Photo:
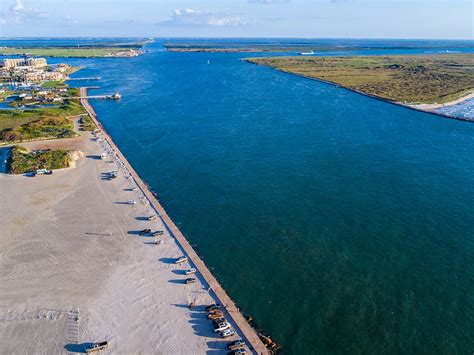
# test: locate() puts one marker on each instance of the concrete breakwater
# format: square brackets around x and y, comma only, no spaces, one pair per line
[243,328]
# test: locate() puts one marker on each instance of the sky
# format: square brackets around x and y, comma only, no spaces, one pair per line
[435,19]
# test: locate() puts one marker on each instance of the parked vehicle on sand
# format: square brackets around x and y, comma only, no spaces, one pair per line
[144,231]
[237,352]
[212,307]
[181,259]
[215,315]
[97,347]
[236,344]
[221,327]
[43,172]
[217,321]
[227,333]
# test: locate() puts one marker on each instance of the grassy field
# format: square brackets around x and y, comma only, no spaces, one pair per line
[22,161]
[66,52]
[51,122]
[406,79]
[54,84]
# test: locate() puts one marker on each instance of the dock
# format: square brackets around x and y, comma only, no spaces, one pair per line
[242,327]
[115,96]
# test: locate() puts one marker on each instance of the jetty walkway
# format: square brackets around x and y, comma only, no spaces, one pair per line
[244,328]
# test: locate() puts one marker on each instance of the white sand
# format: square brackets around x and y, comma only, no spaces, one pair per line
[430,107]
[71,272]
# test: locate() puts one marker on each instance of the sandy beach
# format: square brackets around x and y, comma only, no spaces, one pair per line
[430,107]
[74,270]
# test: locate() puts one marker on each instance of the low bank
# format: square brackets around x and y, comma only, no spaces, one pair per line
[425,108]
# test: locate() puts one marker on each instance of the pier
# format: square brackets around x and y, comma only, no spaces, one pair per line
[115,96]
[242,327]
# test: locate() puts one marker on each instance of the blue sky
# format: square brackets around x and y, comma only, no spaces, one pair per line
[444,19]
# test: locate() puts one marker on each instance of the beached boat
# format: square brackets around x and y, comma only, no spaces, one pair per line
[190,280]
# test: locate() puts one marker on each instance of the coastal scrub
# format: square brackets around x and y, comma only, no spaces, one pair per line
[22,161]
[425,79]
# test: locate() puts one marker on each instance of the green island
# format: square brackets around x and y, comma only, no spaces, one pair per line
[22,161]
[427,79]
[297,46]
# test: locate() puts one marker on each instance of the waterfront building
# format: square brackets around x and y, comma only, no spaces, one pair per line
[22,62]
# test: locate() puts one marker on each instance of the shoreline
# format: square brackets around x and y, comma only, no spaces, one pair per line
[408,106]
[466,97]
[213,285]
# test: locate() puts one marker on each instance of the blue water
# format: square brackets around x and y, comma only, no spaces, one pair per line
[343,224]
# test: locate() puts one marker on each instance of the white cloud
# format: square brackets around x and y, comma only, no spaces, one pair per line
[17,6]
[19,13]
[190,17]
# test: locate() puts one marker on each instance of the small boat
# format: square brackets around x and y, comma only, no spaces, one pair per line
[151,218]
[131,202]
[190,271]
[307,53]
[181,259]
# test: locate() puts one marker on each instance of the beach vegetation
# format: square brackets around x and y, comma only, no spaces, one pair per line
[22,161]
[86,123]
